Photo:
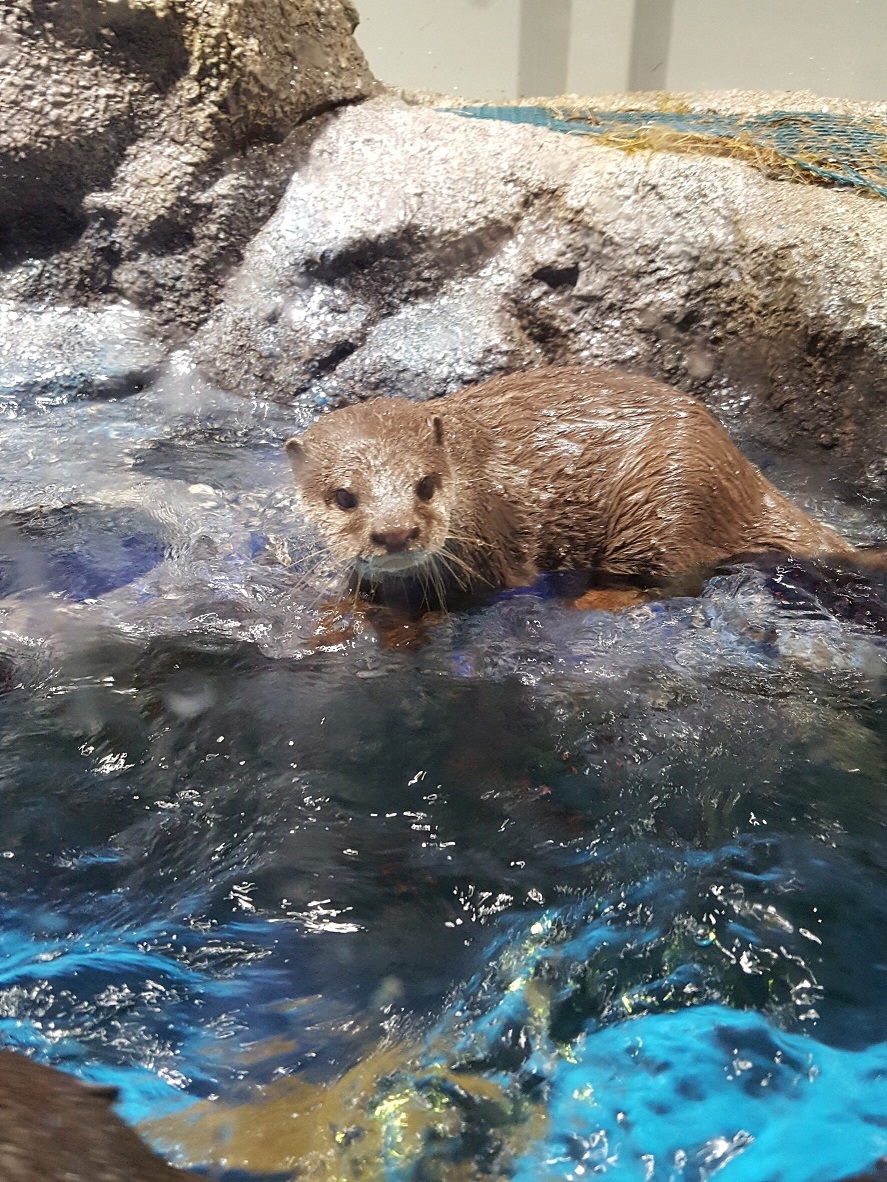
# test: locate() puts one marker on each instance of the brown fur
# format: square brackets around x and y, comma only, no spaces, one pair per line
[55,1129]
[552,469]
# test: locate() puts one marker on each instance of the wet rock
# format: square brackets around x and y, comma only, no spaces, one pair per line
[811,589]
[115,124]
[876,1173]
[55,1129]
[9,677]
[51,356]
[416,251]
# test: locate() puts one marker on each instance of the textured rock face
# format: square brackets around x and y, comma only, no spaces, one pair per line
[115,121]
[416,251]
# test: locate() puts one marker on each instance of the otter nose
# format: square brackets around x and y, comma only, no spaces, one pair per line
[395,540]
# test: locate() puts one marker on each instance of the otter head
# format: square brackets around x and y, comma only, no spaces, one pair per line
[376,480]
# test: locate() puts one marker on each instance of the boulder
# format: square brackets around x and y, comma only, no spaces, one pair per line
[415,251]
[123,129]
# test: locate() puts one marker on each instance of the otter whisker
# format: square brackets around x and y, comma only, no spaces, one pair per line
[436,580]
[310,573]
[338,590]
[310,578]
[426,578]
[317,553]
[439,584]
[312,558]
[468,540]
[454,563]
[443,564]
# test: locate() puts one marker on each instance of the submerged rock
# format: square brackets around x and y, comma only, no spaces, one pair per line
[672,1085]
[79,551]
[416,251]
[877,1173]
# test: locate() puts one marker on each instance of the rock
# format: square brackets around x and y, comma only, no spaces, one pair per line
[116,122]
[55,1129]
[876,1173]
[52,356]
[416,251]
[68,92]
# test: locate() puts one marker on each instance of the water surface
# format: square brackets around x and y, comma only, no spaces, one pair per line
[627,868]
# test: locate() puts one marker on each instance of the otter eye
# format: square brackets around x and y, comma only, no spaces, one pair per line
[426,488]
[344,499]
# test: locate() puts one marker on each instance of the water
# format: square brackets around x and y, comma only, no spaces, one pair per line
[622,874]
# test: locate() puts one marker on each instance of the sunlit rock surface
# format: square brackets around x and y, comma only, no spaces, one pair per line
[416,251]
[115,124]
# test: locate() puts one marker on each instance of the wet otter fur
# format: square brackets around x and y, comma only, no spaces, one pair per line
[554,469]
[55,1129]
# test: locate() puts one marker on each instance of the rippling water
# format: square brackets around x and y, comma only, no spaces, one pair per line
[627,869]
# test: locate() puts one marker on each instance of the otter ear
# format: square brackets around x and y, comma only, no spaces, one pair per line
[437,428]
[296,455]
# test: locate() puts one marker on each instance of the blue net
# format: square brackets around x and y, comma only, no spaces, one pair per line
[806,145]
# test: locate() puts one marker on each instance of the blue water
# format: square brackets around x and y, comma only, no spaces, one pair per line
[707,1090]
[658,1059]
[628,869]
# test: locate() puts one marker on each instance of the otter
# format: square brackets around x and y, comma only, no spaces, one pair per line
[55,1129]
[552,469]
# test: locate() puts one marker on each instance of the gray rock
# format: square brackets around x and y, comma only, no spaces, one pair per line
[51,356]
[415,251]
[432,346]
[123,129]
[69,91]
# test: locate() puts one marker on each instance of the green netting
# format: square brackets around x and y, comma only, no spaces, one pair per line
[812,145]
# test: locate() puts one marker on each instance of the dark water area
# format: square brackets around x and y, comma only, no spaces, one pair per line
[629,868]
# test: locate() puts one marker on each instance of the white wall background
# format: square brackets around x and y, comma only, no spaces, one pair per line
[465,47]
[832,47]
[600,46]
[505,49]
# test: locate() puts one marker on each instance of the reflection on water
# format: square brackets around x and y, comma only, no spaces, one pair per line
[557,892]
